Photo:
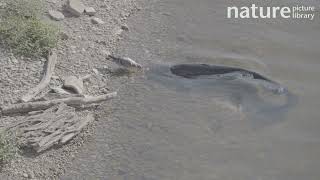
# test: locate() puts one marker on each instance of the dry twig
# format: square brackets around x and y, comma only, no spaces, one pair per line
[41,105]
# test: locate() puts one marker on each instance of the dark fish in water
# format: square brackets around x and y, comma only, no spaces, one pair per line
[267,109]
[193,71]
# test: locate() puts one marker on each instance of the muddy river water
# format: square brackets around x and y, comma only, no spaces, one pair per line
[165,128]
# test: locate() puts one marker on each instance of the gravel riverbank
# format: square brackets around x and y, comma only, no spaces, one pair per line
[82,50]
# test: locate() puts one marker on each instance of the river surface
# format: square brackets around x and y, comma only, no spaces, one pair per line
[164,127]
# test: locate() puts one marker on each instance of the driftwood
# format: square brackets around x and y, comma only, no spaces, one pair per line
[41,105]
[49,70]
[54,126]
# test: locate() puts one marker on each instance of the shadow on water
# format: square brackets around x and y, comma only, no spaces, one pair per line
[257,98]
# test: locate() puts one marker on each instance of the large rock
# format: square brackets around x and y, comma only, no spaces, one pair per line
[74,84]
[56,15]
[75,7]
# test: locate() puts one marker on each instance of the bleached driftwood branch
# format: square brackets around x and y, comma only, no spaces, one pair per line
[49,70]
[41,105]
[56,125]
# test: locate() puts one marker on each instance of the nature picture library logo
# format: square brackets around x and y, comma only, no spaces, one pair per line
[272,12]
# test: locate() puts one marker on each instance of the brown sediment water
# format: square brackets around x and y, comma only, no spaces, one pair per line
[165,127]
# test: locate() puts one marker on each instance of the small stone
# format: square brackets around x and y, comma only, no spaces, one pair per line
[2,5]
[118,31]
[42,60]
[105,90]
[96,20]
[105,53]
[75,7]
[95,71]
[125,27]
[56,15]
[101,41]
[90,11]
[64,36]
[103,6]
[25,175]
[31,174]
[14,60]
[73,83]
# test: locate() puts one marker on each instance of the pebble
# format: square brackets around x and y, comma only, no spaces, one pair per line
[125,27]
[96,20]
[105,53]
[95,71]
[64,36]
[75,7]
[31,174]
[25,175]
[105,90]
[14,60]
[2,5]
[118,31]
[90,11]
[56,15]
